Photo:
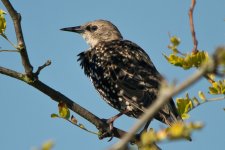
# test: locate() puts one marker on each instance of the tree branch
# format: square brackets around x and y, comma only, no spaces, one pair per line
[58,97]
[8,50]
[11,73]
[32,79]
[164,96]
[47,63]
[16,17]
[190,13]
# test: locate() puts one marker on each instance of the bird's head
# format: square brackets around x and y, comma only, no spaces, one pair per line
[97,31]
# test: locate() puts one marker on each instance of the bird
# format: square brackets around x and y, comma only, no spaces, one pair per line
[122,72]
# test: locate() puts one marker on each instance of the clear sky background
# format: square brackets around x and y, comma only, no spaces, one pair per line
[25,112]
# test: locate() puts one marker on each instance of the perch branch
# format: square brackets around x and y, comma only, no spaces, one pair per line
[57,96]
[29,77]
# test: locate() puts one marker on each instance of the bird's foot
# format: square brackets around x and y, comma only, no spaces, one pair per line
[108,132]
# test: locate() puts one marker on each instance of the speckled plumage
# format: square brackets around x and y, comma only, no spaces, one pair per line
[121,71]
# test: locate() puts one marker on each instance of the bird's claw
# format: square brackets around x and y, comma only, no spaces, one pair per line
[107,133]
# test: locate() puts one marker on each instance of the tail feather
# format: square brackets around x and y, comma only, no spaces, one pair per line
[169,115]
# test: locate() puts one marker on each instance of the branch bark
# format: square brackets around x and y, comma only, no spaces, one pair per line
[57,96]
[21,46]
[190,13]
[31,78]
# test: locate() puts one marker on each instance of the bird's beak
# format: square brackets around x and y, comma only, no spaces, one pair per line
[77,29]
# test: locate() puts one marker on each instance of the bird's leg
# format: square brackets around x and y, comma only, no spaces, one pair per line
[110,121]
[146,127]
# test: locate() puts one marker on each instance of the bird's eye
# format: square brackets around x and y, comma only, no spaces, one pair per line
[91,28]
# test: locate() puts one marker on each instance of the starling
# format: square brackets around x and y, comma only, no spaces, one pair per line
[121,71]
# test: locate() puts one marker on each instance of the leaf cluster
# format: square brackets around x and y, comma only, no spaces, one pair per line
[64,113]
[177,131]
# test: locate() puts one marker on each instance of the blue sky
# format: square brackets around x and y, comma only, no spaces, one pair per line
[25,112]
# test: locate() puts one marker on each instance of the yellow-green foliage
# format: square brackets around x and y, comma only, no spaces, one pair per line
[186,61]
[2,22]
[189,60]
[178,130]
[64,113]
[184,105]
[48,145]
[217,87]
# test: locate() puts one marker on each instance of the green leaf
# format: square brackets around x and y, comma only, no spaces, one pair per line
[213,90]
[217,87]
[183,106]
[54,115]
[175,40]
[2,22]
[189,60]
[185,116]
[64,112]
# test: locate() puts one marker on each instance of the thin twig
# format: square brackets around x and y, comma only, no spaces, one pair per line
[208,100]
[215,99]
[164,97]
[79,126]
[195,42]
[47,63]
[9,51]
[21,46]
[6,38]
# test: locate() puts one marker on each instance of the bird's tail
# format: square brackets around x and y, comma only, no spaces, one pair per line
[169,115]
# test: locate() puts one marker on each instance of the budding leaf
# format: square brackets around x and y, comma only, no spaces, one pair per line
[195,101]
[180,130]
[149,137]
[73,120]
[48,145]
[64,112]
[176,130]
[2,22]
[217,87]
[189,60]
[183,107]
[54,115]
[175,40]
[201,95]
[81,126]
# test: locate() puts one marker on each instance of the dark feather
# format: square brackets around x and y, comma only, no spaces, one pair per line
[126,78]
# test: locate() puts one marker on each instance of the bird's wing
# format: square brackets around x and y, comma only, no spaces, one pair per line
[137,77]
[134,73]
